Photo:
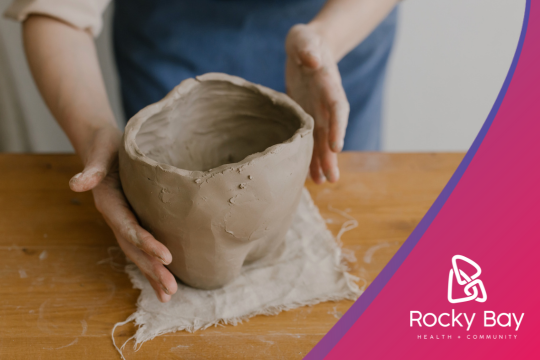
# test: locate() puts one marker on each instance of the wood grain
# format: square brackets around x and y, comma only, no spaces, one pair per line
[62,288]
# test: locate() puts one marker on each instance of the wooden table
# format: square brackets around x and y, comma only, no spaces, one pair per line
[60,296]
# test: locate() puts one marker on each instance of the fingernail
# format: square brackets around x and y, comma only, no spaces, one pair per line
[75,178]
[164,288]
[322,178]
[160,258]
[328,175]
[332,175]
[336,146]
[164,298]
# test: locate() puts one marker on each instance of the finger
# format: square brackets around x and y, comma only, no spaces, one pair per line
[112,204]
[315,168]
[101,157]
[327,158]
[161,295]
[329,165]
[159,276]
[338,115]
[336,106]
[127,226]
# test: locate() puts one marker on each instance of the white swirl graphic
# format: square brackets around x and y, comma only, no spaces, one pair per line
[473,285]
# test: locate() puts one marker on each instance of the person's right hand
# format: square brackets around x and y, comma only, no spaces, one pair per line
[101,175]
[64,63]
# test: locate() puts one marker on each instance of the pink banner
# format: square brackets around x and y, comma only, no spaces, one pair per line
[464,285]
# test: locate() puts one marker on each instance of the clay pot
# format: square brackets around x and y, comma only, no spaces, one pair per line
[215,172]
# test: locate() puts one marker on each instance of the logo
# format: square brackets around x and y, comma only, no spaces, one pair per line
[474,289]
[472,283]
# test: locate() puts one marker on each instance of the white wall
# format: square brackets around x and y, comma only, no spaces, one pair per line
[449,63]
[42,132]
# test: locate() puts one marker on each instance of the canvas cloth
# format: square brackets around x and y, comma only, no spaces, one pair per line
[309,268]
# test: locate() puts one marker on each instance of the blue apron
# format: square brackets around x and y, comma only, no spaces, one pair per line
[159,43]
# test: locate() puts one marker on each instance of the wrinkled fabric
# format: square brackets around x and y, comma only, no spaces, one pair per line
[308,269]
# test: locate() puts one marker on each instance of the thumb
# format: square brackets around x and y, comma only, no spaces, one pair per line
[88,179]
[102,156]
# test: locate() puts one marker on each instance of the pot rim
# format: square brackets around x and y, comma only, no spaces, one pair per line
[280,99]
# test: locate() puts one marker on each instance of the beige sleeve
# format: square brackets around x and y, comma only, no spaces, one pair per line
[82,14]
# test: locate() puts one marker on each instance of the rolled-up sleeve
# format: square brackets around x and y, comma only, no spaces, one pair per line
[82,14]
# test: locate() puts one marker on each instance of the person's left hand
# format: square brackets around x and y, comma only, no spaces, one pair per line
[312,79]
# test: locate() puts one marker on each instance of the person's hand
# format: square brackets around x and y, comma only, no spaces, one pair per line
[312,79]
[101,175]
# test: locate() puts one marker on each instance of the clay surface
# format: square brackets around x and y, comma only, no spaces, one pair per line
[215,171]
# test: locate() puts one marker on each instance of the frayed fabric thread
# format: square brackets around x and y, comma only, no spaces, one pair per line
[308,269]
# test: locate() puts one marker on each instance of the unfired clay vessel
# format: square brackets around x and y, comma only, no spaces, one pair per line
[215,172]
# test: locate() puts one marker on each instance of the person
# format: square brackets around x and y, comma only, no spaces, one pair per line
[321,53]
